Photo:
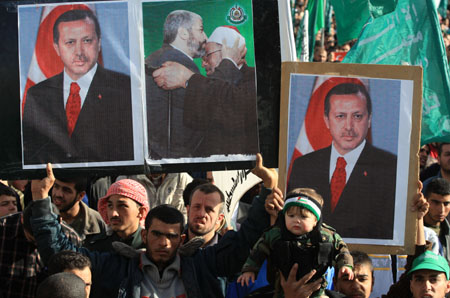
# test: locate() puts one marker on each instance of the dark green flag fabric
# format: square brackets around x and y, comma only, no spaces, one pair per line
[411,35]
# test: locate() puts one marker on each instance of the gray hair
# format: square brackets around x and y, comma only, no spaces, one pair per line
[177,19]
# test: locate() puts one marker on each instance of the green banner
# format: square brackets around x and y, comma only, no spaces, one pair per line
[351,15]
[411,35]
[442,9]
[316,22]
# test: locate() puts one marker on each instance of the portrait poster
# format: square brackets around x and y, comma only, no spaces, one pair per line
[351,132]
[79,86]
[211,117]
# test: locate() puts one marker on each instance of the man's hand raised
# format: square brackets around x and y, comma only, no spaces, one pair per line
[299,288]
[40,188]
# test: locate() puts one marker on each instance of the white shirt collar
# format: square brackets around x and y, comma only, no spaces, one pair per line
[84,82]
[181,51]
[350,158]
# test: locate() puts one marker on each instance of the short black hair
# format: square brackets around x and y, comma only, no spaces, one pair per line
[75,15]
[80,182]
[167,214]
[360,258]
[8,191]
[62,285]
[439,186]
[208,188]
[440,148]
[67,260]
[348,88]
[190,187]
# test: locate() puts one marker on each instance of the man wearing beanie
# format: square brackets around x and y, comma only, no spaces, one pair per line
[227,95]
[429,276]
[123,209]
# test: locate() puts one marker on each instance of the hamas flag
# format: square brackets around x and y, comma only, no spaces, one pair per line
[407,32]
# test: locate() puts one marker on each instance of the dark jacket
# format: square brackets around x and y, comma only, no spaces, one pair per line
[115,273]
[103,131]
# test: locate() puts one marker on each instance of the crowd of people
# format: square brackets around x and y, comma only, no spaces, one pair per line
[326,47]
[135,244]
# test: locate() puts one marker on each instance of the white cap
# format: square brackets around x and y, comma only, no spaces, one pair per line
[229,33]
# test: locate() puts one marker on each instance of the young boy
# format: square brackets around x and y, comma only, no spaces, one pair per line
[299,236]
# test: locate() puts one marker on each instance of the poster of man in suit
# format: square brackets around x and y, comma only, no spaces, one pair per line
[347,138]
[75,85]
[209,113]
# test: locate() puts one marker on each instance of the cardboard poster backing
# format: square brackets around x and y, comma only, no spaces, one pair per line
[369,71]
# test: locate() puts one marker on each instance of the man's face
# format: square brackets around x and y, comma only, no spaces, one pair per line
[439,208]
[320,55]
[212,57]
[361,285]
[423,155]
[204,212]
[162,241]
[78,46]
[444,158]
[348,121]
[197,39]
[123,214]
[85,274]
[65,196]
[429,283]
[8,205]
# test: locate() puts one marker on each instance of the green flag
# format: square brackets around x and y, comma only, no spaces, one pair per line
[442,9]
[351,15]
[316,22]
[411,35]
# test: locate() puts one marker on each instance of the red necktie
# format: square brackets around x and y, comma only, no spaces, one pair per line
[338,182]
[73,107]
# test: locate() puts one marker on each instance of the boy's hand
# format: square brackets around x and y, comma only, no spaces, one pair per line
[40,188]
[246,277]
[346,271]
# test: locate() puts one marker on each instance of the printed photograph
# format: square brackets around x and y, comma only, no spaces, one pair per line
[200,81]
[75,84]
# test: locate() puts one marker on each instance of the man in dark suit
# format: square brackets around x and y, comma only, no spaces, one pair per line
[184,39]
[356,179]
[221,106]
[84,113]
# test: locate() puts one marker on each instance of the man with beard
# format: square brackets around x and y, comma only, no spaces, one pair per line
[184,39]
[67,195]
[227,95]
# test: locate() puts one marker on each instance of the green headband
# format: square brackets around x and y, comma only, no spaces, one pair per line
[304,202]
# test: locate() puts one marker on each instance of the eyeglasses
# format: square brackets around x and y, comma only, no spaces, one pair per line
[209,54]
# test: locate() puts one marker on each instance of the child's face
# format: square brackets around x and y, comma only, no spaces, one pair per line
[299,221]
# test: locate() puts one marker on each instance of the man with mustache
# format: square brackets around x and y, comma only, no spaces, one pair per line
[355,178]
[227,95]
[123,208]
[82,114]
[184,40]
[67,195]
